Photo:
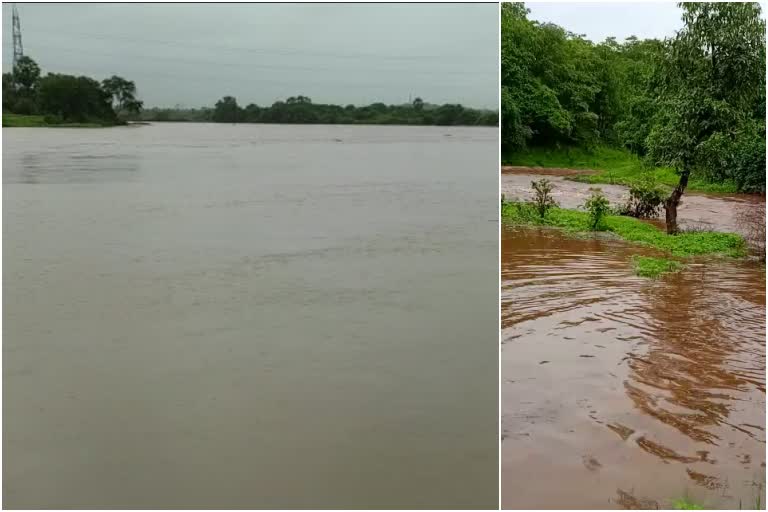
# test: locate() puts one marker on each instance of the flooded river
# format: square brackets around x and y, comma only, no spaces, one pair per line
[218,316]
[624,392]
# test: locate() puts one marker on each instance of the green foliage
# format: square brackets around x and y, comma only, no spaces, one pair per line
[542,196]
[645,198]
[685,504]
[63,100]
[615,166]
[694,104]
[123,94]
[632,230]
[184,115]
[37,121]
[75,99]
[654,267]
[598,207]
[22,121]
[26,74]
[301,110]
[558,88]
[713,85]
[226,110]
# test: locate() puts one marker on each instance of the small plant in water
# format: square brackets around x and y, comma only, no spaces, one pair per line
[646,198]
[598,207]
[685,504]
[654,267]
[542,199]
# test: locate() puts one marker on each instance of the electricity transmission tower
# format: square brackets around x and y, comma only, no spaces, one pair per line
[18,49]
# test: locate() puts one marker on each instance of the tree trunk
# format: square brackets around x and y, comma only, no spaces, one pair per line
[671,203]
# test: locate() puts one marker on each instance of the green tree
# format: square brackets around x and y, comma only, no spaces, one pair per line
[26,75]
[122,93]
[713,78]
[75,98]
[226,110]
[9,92]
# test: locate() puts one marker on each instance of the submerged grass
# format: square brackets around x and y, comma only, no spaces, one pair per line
[632,230]
[685,504]
[614,166]
[654,267]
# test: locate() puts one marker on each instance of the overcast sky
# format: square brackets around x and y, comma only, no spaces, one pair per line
[193,54]
[597,21]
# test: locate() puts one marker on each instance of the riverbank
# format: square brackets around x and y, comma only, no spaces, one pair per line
[24,121]
[606,165]
[681,246]
[632,230]
[743,214]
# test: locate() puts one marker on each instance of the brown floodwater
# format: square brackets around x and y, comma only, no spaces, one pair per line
[624,392]
[250,316]
[736,213]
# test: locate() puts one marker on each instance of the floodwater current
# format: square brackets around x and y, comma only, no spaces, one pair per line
[250,316]
[625,392]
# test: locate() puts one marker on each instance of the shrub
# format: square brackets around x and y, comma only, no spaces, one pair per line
[646,198]
[52,119]
[543,199]
[24,106]
[598,207]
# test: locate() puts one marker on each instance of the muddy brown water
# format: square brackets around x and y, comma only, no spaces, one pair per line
[252,316]
[624,392]
[736,213]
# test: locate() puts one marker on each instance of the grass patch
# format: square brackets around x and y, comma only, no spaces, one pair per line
[615,166]
[685,504]
[632,230]
[654,267]
[22,121]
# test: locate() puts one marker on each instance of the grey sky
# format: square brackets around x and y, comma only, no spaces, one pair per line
[601,20]
[192,54]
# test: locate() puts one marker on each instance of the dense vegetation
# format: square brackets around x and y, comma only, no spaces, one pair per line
[301,110]
[57,99]
[693,104]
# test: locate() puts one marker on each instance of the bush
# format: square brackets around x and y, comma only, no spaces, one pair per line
[543,199]
[52,119]
[24,106]
[598,207]
[646,198]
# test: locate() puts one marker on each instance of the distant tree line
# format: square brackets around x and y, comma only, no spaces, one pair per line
[67,98]
[301,110]
[694,102]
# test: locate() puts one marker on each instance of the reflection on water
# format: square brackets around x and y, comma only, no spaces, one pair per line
[217,316]
[636,389]
[59,166]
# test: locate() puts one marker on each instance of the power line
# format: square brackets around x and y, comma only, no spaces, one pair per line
[279,67]
[285,51]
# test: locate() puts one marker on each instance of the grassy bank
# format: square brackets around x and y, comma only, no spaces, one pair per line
[23,121]
[615,166]
[684,245]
